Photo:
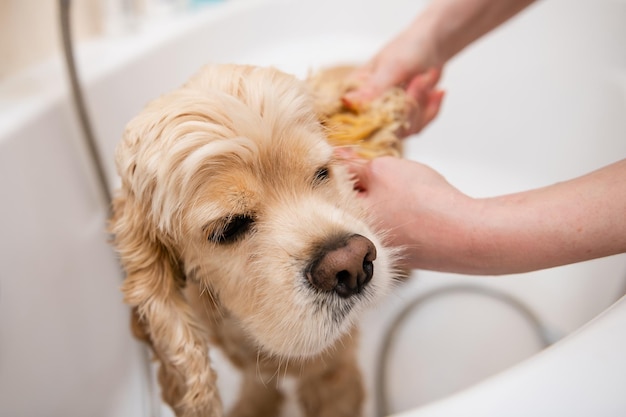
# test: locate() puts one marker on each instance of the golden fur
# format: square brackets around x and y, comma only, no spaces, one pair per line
[229,191]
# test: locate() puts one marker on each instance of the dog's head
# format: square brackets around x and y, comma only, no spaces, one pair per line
[229,182]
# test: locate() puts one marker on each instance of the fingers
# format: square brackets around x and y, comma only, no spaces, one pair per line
[361,93]
[427,100]
[422,84]
[435,98]
[344,154]
[365,93]
[422,113]
[357,167]
[372,80]
[366,173]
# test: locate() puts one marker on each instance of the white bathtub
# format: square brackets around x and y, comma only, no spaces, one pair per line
[540,100]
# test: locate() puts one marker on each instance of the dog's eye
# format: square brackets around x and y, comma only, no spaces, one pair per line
[233,228]
[321,175]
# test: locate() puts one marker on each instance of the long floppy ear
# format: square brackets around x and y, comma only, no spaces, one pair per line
[161,315]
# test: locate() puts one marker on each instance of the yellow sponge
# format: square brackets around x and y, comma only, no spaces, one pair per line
[372,130]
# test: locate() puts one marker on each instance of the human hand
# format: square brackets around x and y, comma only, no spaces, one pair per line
[440,228]
[425,216]
[408,61]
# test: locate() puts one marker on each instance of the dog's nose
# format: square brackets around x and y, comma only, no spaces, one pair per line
[345,266]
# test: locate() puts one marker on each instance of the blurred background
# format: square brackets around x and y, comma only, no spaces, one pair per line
[29,30]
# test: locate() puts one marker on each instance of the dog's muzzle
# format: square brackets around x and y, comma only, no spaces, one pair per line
[344,266]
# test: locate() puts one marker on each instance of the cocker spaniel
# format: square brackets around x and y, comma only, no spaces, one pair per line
[237,227]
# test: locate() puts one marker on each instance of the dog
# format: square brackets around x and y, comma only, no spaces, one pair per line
[237,227]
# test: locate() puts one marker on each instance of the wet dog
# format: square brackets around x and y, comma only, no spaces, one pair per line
[237,227]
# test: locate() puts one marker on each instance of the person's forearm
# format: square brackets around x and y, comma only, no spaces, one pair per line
[568,222]
[454,24]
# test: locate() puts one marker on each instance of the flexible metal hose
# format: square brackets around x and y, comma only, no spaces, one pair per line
[79,102]
[383,408]
[153,408]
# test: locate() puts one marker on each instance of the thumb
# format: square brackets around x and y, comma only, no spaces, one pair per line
[371,82]
[361,95]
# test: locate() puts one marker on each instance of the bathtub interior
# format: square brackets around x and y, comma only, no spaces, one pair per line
[537,101]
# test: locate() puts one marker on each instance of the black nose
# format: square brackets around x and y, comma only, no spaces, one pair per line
[344,266]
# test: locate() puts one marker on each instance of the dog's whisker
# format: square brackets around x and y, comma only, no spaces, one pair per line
[277,373]
[210,305]
[285,371]
[259,373]
[301,369]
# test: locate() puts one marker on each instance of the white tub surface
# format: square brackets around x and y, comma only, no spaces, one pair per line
[584,375]
[539,100]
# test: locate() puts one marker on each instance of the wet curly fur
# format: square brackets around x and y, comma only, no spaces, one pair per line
[231,199]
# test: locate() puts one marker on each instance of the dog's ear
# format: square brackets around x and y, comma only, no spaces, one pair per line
[161,315]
